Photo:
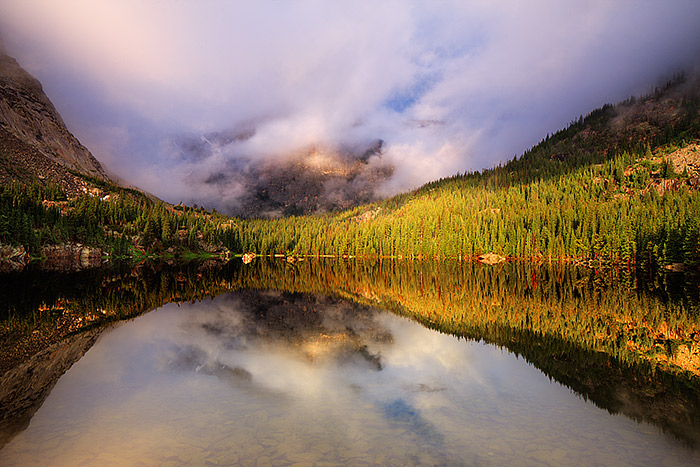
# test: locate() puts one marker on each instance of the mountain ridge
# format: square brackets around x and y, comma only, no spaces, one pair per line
[311,180]
[591,193]
[606,189]
[36,142]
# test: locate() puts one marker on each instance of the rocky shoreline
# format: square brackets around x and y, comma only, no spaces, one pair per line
[65,257]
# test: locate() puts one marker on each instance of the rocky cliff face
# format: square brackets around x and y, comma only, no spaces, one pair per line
[34,141]
[313,180]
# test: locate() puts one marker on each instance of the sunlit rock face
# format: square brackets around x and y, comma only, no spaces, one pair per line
[311,180]
[34,141]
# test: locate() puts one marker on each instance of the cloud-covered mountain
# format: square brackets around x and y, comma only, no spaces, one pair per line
[311,180]
[449,86]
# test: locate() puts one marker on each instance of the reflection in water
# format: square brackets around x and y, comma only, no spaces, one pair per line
[272,378]
[270,334]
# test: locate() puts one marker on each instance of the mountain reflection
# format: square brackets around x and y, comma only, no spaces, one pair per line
[314,329]
[237,379]
[226,338]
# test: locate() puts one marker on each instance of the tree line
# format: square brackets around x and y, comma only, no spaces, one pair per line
[120,221]
[603,189]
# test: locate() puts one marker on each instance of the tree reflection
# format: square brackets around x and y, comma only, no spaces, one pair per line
[626,341]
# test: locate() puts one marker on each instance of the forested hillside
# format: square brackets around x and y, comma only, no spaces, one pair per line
[122,222]
[618,186]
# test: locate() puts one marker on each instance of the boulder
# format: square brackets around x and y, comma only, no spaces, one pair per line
[90,257]
[248,257]
[491,258]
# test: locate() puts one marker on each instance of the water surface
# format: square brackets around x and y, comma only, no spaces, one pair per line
[278,378]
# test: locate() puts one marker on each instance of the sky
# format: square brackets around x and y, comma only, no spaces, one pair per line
[450,86]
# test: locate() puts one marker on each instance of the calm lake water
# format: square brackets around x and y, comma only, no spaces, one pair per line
[279,377]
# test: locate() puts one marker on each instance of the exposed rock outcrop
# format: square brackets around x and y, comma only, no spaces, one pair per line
[27,114]
[23,162]
[491,258]
[367,215]
[675,267]
[70,257]
[311,180]
[65,257]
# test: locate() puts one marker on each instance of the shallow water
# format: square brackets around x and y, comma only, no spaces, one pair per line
[269,378]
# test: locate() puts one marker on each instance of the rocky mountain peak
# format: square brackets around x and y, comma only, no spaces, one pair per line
[314,179]
[34,140]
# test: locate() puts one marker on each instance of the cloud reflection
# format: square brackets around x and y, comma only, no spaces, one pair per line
[294,378]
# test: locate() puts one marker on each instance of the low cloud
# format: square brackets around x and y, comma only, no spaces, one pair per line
[449,87]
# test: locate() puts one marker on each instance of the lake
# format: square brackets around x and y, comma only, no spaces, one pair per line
[351,363]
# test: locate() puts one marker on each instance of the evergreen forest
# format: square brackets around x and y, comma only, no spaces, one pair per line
[619,185]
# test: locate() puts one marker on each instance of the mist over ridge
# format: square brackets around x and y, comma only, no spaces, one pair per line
[448,88]
[311,180]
